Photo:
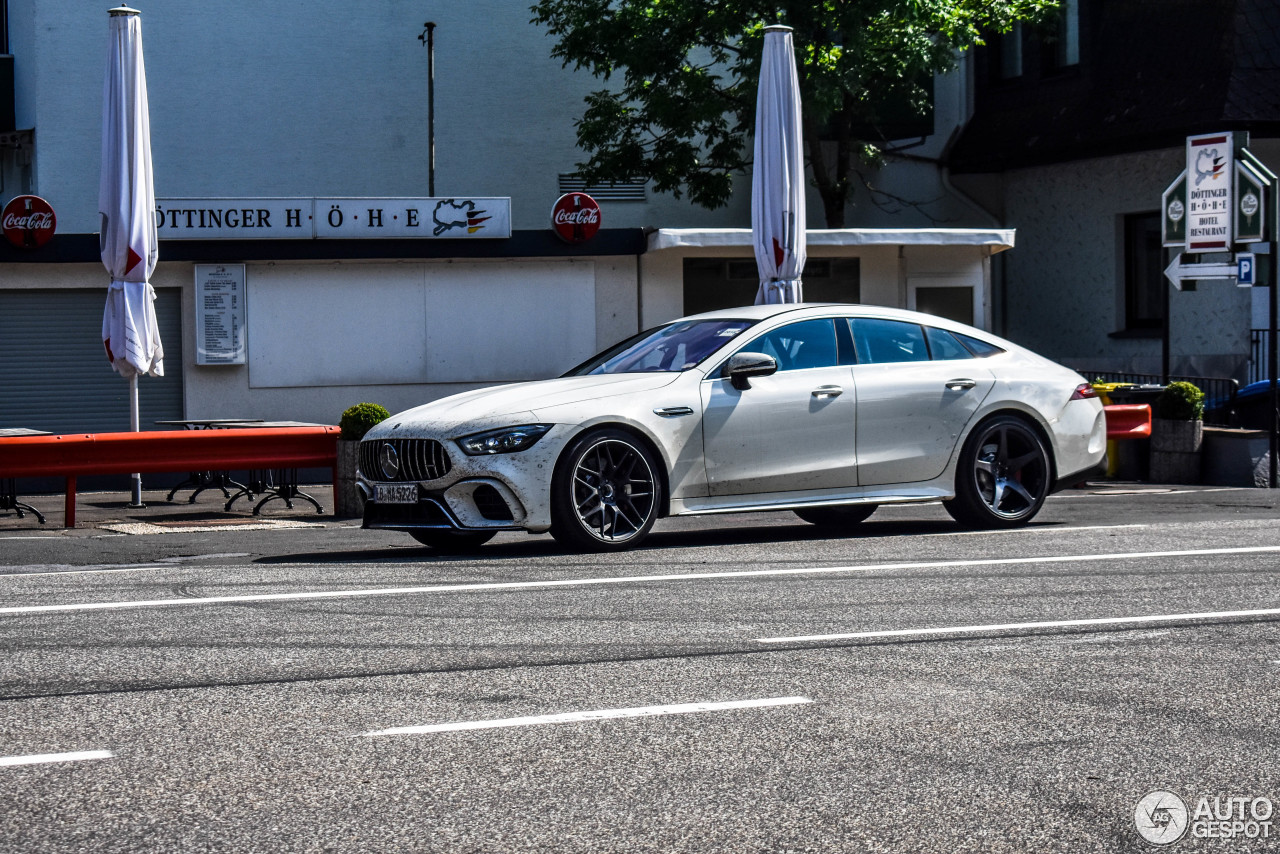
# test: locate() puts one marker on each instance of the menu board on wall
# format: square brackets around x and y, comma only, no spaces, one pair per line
[220,310]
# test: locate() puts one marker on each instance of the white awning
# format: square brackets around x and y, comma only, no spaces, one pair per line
[994,239]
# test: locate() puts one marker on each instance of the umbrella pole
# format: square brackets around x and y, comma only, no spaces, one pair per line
[135,426]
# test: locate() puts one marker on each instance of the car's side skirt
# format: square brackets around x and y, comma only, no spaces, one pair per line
[913,493]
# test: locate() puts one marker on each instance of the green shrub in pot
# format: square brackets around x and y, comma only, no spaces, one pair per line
[1181,401]
[360,419]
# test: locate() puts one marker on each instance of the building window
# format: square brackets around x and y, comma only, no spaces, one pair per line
[1061,47]
[1006,55]
[714,283]
[1144,283]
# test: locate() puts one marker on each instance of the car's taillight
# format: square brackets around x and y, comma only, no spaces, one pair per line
[1084,391]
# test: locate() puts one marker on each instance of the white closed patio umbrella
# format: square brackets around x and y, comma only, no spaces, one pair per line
[127,203]
[777,180]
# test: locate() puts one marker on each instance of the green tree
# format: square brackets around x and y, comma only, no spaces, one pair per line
[682,75]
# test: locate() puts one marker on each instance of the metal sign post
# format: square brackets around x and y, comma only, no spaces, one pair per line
[1266,181]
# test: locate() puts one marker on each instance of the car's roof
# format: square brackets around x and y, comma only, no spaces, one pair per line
[763,312]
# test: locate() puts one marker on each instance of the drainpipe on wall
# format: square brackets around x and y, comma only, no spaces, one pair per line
[648,229]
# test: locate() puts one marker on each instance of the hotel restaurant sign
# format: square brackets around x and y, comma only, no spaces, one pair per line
[348,218]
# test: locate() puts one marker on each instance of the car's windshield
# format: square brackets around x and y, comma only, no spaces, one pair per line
[675,347]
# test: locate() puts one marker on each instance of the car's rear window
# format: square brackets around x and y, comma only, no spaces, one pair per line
[978,348]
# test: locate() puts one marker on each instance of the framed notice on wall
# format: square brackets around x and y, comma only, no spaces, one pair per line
[220,314]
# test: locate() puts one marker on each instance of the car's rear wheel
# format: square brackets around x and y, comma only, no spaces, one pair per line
[836,517]
[606,493]
[1003,477]
[451,542]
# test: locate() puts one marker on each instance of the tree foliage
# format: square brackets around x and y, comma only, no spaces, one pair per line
[679,104]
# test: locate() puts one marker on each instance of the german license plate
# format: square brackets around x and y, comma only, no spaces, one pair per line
[398,493]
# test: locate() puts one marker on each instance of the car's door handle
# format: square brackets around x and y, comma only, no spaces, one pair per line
[673,411]
[956,385]
[827,391]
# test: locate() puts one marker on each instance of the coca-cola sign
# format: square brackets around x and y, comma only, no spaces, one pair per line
[29,222]
[575,217]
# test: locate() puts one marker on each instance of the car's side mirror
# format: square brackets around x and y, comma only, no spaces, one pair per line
[742,366]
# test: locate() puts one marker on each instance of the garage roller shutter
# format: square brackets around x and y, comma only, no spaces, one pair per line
[56,376]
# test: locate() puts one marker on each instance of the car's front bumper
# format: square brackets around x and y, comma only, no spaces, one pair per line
[488,492]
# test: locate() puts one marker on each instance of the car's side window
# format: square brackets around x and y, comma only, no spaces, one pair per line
[879,341]
[796,346]
[943,345]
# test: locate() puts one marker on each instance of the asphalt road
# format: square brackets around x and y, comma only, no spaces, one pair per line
[743,683]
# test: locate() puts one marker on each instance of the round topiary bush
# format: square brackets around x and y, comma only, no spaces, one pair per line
[360,419]
[1180,402]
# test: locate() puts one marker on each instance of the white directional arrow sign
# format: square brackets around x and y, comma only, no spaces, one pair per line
[1177,272]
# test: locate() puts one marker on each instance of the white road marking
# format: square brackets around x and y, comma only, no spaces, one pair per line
[1092,493]
[42,758]
[573,717]
[1112,638]
[1006,627]
[264,525]
[1034,529]
[98,568]
[629,579]
[83,571]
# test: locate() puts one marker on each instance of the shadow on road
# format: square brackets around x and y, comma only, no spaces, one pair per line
[740,534]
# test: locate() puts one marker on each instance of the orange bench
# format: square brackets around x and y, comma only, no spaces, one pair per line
[77,454]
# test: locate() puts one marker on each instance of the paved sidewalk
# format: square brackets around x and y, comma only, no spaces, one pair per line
[110,510]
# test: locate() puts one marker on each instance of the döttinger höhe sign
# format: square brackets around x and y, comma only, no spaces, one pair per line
[1210,168]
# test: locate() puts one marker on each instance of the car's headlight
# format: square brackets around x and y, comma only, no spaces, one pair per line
[504,441]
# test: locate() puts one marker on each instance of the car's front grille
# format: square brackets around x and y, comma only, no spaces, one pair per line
[420,459]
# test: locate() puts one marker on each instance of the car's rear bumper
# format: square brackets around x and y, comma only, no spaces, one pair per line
[1072,480]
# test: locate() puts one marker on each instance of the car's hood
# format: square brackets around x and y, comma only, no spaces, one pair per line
[524,399]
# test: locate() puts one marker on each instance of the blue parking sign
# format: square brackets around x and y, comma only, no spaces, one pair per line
[1245,265]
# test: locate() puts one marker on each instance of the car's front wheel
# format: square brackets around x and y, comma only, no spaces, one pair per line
[606,493]
[451,542]
[1003,476]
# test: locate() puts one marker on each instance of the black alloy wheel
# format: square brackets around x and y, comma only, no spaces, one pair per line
[605,495]
[1003,476]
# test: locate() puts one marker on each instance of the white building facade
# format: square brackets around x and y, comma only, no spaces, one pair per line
[318,101]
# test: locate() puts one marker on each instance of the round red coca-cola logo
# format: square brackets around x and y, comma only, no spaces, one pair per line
[575,217]
[28,221]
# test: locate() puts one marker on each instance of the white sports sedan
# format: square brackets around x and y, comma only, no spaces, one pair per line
[826,410]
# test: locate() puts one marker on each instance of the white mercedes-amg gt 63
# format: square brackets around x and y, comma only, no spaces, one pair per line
[826,410]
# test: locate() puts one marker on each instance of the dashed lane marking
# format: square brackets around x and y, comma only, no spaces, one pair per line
[45,758]
[602,714]
[1013,627]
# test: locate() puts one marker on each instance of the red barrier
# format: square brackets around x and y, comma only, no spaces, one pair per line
[1128,420]
[166,451]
